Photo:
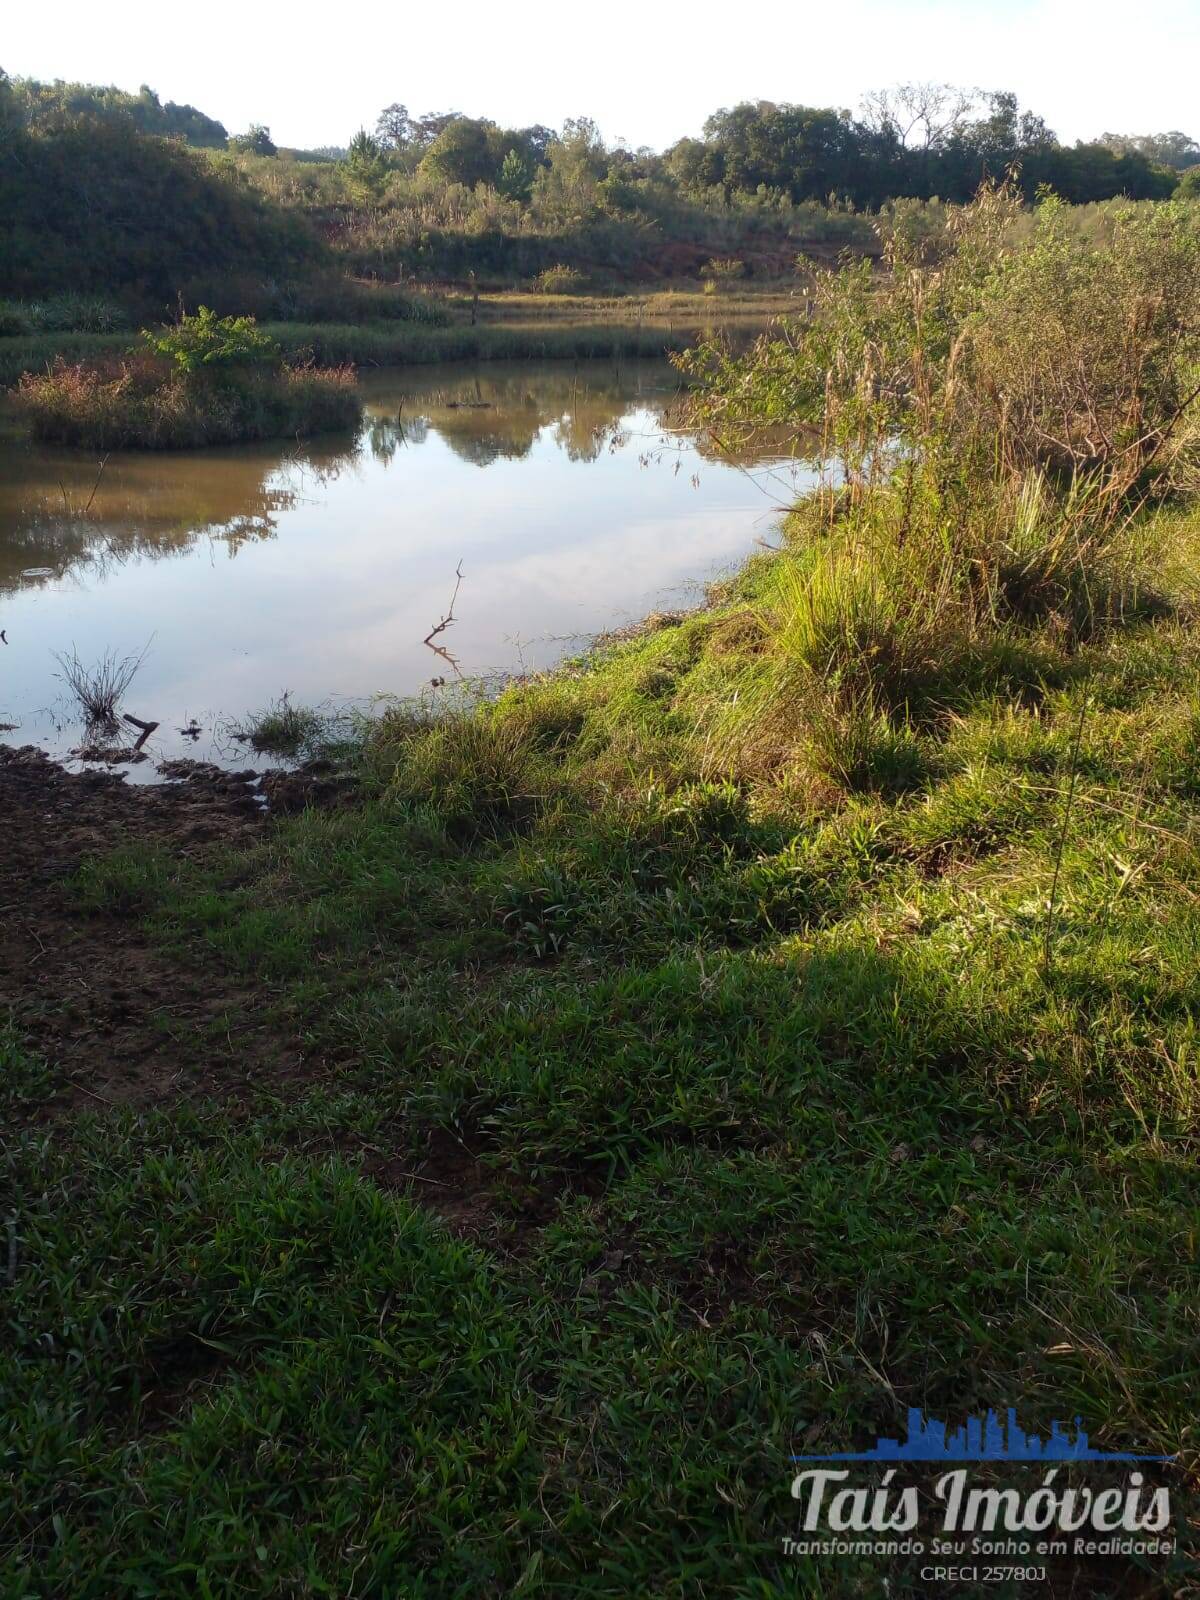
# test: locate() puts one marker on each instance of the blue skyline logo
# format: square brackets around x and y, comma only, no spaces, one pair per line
[983,1438]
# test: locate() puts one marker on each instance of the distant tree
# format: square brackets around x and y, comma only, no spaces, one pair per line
[918,140]
[806,151]
[424,130]
[366,166]
[9,117]
[515,179]
[695,164]
[1006,130]
[1188,187]
[40,104]
[256,141]
[535,142]
[580,139]
[576,162]
[925,116]
[393,127]
[619,191]
[464,152]
[1174,149]
[1094,172]
[181,122]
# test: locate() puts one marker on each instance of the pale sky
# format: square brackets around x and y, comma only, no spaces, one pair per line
[315,73]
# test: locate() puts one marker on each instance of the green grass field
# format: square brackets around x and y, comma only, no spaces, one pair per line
[677,1105]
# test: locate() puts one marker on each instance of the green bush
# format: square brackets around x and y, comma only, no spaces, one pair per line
[206,341]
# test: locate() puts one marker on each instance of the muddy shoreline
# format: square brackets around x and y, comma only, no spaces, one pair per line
[119,1020]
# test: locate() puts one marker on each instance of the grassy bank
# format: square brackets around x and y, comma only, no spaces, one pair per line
[686,1099]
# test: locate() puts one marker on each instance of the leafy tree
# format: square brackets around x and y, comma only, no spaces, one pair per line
[1090,172]
[576,162]
[808,152]
[464,152]
[424,130]
[393,127]
[695,164]
[581,146]
[918,140]
[1188,187]
[256,141]
[534,142]
[619,191]
[9,115]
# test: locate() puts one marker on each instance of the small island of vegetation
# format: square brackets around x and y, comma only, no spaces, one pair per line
[206,380]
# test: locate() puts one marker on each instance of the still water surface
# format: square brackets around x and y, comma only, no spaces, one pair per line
[566,493]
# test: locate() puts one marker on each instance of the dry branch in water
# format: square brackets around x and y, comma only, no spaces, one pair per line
[443,624]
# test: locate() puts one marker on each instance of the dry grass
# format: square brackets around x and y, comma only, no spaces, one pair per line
[141,402]
[100,688]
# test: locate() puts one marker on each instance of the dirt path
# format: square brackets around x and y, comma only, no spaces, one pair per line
[117,1018]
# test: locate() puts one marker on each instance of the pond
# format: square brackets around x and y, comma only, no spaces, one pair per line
[565,494]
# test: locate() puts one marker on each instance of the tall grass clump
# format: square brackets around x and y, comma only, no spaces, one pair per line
[993,420]
[288,730]
[481,771]
[560,279]
[99,688]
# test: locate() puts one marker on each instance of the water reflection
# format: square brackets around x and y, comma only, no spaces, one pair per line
[145,505]
[320,568]
[500,417]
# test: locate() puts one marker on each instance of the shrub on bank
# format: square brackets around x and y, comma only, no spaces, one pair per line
[560,280]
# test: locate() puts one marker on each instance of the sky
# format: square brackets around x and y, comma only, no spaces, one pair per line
[314,74]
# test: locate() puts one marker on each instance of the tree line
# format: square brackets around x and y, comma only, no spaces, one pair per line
[917,140]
